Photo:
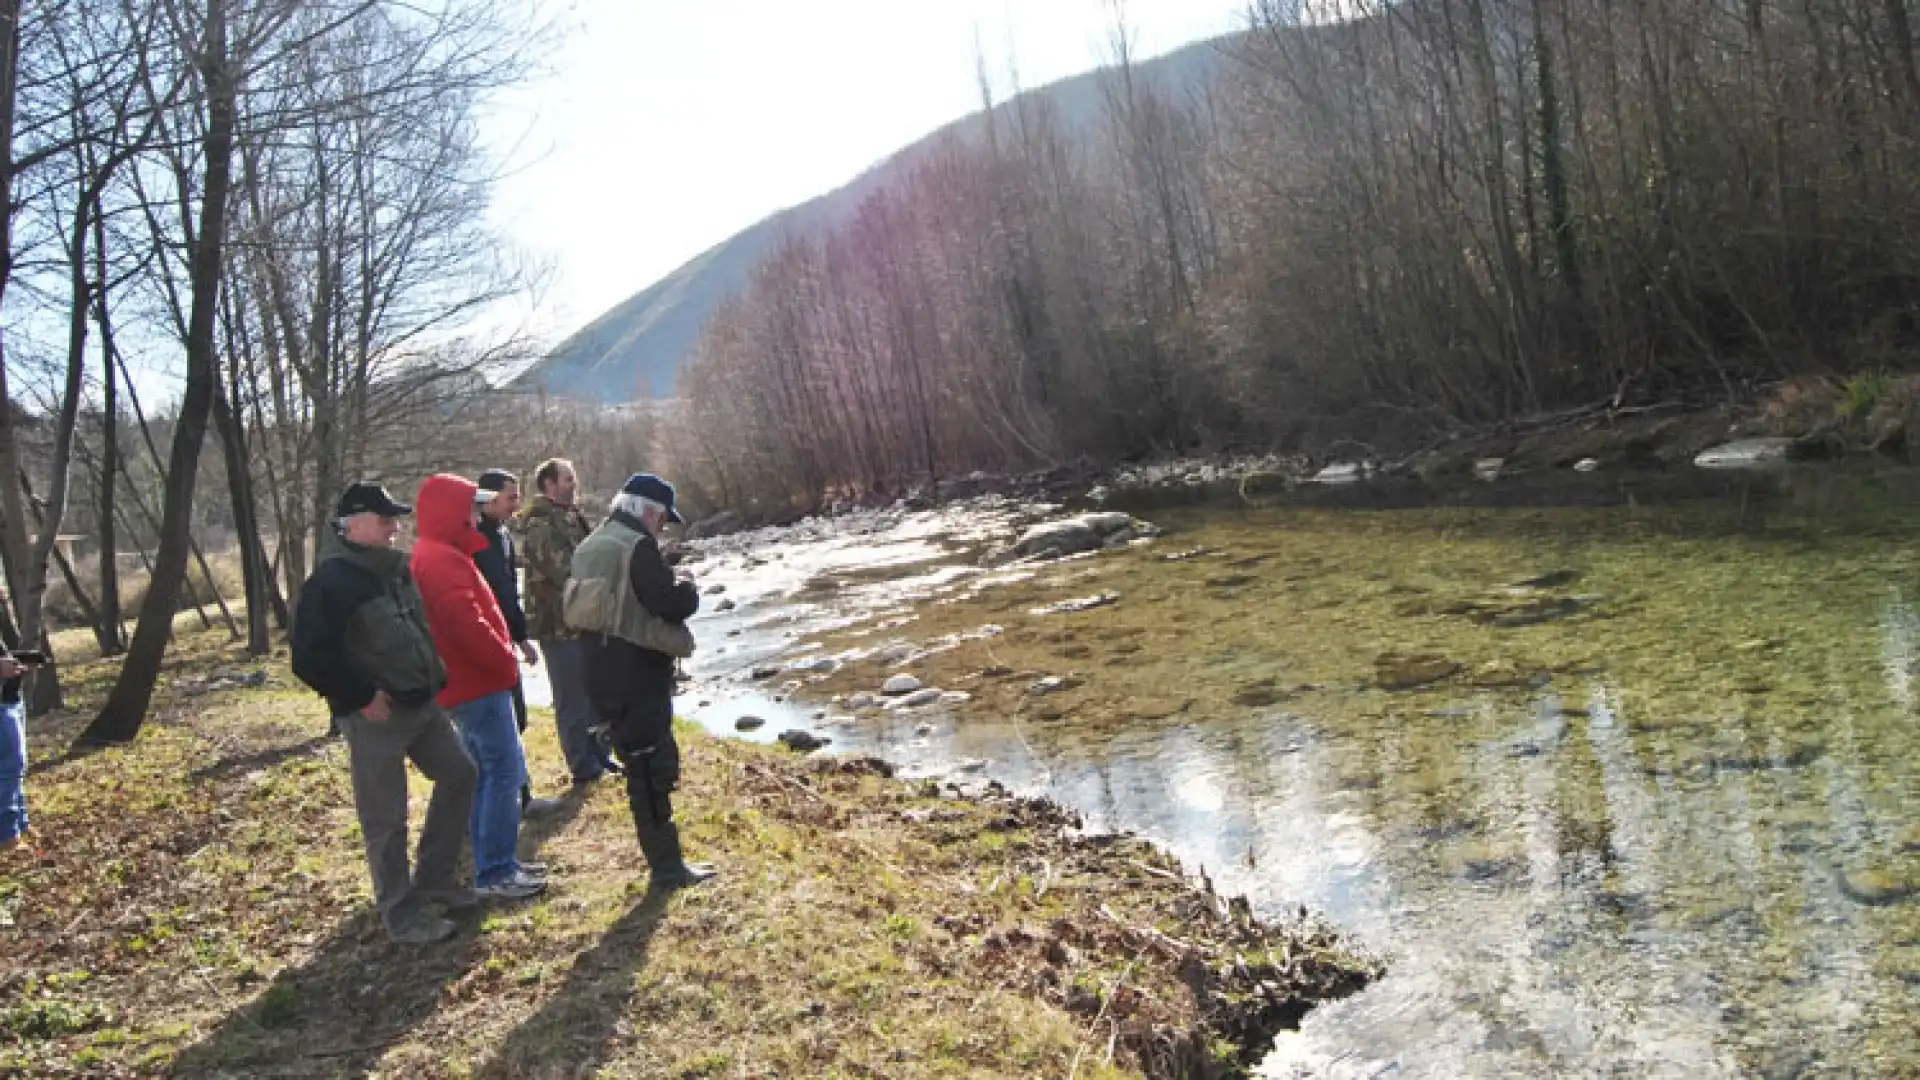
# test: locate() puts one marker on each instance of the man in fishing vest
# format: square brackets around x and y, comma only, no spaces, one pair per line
[631,612]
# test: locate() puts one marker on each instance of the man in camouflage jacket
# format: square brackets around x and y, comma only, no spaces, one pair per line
[550,528]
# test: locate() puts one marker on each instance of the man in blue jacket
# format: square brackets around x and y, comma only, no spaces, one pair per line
[498,497]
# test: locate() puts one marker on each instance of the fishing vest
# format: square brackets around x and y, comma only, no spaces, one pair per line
[599,594]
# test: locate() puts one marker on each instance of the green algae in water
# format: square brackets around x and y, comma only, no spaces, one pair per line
[1649,808]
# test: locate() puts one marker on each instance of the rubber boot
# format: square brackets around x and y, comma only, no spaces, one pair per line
[670,870]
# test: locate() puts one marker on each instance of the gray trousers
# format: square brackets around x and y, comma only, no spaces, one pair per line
[573,711]
[380,752]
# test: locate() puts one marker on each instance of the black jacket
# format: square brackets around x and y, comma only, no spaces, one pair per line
[500,565]
[361,627]
[619,671]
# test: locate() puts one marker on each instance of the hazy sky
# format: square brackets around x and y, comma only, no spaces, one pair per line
[665,126]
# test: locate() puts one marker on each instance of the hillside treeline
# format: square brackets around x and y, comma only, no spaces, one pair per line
[1383,228]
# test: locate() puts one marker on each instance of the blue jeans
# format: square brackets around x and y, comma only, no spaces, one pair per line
[13,771]
[487,729]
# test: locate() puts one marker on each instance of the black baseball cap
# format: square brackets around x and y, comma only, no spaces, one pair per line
[369,498]
[649,486]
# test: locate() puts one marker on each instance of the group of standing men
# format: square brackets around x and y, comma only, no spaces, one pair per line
[397,641]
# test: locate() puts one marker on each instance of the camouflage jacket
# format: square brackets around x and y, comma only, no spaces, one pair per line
[548,535]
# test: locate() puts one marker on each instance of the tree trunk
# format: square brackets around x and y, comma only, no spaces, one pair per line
[233,445]
[126,708]
[108,628]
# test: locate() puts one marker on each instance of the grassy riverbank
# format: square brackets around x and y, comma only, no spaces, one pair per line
[197,906]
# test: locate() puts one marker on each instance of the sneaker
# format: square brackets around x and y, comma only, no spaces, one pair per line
[539,808]
[425,930]
[533,869]
[520,886]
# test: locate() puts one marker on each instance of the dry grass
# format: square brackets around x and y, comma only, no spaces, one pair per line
[62,609]
[199,908]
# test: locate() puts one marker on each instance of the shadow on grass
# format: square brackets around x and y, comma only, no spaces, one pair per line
[536,831]
[336,1014]
[575,1029]
[235,765]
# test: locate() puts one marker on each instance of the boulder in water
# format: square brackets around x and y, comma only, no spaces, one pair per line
[802,742]
[749,723]
[900,684]
[1071,536]
[915,699]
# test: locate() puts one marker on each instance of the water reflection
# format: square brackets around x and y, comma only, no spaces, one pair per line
[1690,859]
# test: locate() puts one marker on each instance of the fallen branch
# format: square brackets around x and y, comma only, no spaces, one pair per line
[1171,947]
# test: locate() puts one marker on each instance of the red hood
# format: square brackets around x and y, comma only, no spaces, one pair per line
[445,512]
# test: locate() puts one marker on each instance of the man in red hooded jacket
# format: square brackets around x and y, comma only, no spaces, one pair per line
[470,634]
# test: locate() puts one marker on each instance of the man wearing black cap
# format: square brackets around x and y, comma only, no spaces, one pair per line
[633,612]
[498,496]
[360,639]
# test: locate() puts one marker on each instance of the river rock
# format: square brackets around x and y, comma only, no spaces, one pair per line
[1340,472]
[802,742]
[1106,523]
[1405,671]
[715,589]
[923,729]
[1875,888]
[861,700]
[816,663]
[724,605]
[749,723]
[1586,464]
[898,652]
[1053,684]
[915,699]
[955,697]
[765,672]
[1745,453]
[900,684]
[1074,535]
[1259,694]
[1084,603]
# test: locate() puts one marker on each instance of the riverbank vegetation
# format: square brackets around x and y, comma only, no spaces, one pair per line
[1371,227]
[196,906]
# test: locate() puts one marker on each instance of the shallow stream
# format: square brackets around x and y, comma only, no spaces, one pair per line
[1624,790]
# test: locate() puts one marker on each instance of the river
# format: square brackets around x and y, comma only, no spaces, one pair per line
[1654,817]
